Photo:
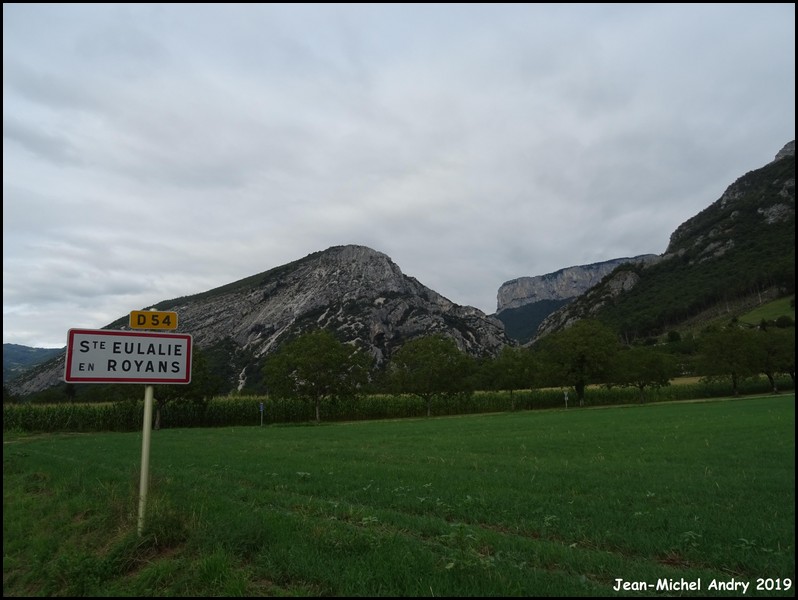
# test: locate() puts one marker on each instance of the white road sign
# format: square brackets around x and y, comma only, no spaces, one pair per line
[104,356]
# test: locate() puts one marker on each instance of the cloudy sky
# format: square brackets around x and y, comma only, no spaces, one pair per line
[157,151]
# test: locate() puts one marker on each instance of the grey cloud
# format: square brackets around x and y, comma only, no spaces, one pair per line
[154,151]
[51,147]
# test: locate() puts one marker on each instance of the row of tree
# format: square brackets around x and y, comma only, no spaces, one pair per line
[316,366]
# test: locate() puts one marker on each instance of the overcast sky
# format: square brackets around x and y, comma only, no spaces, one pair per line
[157,151]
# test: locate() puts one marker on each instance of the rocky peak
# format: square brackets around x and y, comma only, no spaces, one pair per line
[561,285]
[355,291]
[788,150]
[764,196]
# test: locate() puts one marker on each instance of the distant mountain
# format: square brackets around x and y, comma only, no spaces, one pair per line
[19,359]
[561,285]
[355,291]
[740,247]
[524,303]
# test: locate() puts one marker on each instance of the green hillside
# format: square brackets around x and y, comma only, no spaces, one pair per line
[739,247]
[771,311]
[18,359]
[521,323]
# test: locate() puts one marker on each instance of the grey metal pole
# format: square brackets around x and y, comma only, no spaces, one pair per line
[145,455]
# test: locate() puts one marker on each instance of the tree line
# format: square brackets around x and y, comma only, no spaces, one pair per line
[317,367]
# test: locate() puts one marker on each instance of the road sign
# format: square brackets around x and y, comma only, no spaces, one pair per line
[103,356]
[153,319]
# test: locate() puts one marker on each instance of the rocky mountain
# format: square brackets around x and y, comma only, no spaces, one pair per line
[741,246]
[359,293]
[524,303]
[564,284]
[17,359]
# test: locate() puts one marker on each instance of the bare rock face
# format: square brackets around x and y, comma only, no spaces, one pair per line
[560,285]
[355,291]
[788,150]
[620,282]
[41,377]
[715,230]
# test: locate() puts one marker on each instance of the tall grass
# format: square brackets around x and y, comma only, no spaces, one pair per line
[547,503]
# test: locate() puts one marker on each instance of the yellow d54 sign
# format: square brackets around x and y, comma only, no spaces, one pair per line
[152,319]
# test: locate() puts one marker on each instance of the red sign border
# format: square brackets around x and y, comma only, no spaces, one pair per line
[69,355]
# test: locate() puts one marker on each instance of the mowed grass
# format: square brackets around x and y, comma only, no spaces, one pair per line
[546,503]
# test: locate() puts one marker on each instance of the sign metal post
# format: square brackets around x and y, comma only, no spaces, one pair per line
[111,356]
[145,456]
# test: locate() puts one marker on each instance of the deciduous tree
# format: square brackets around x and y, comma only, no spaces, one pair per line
[729,352]
[643,368]
[580,355]
[776,353]
[513,369]
[430,366]
[316,366]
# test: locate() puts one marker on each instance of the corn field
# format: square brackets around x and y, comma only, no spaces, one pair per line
[228,411]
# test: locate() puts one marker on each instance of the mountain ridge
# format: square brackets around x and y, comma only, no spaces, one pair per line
[562,284]
[525,302]
[742,243]
[17,359]
[357,292]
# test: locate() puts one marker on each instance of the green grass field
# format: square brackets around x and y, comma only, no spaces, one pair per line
[543,503]
[770,312]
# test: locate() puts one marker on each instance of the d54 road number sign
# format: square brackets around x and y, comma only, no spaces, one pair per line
[103,356]
[152,319]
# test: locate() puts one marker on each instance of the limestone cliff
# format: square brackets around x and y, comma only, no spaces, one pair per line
[561,285]
[357,292]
